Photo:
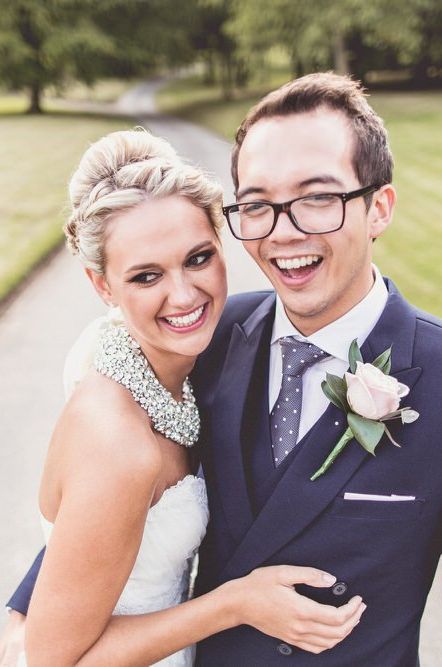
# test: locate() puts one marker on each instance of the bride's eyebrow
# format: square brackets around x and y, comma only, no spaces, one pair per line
[200,246]
[142,267]
[151,266]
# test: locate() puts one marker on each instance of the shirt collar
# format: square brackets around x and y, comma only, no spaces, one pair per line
[335,338]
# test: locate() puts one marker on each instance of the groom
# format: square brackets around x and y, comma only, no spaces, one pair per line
[312,171]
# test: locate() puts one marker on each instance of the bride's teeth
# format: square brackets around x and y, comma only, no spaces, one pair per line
[296,262]
[186,320]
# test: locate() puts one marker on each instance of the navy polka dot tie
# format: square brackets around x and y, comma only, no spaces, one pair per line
[297,356]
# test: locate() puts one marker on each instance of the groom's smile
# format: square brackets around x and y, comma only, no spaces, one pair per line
[297,270]
[309,155]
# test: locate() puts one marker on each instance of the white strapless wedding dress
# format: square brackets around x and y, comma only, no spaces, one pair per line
[161,576]
[174,528]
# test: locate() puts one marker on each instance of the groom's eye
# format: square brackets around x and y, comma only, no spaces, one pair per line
[200,258]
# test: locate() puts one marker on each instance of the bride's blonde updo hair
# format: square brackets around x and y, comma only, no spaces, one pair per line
[117,173]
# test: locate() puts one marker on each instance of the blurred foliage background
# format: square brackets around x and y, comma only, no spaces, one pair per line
[219,56]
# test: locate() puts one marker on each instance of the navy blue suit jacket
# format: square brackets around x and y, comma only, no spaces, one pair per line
[385,552]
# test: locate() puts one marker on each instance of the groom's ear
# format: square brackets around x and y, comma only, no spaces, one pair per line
[101,286]
[380,213]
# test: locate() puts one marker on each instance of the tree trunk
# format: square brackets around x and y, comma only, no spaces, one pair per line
[35,98]
[226,68]
[209,68]
[340,55]
[241,73]
[296,65]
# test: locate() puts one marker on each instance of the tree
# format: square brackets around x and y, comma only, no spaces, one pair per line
[40,42]
[217,45]
[427,67]
[46,42]
[333,33]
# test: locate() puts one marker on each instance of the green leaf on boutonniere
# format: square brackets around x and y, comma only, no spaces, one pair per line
[354,355]
[332,397]
[383,361]
[366,431]
[338,388]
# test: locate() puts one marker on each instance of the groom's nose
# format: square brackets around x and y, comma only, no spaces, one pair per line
[285,231]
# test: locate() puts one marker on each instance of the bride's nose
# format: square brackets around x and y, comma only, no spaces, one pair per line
[183,293]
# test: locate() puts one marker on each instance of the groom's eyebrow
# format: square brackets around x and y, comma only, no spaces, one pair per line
[319,179]
[249,191]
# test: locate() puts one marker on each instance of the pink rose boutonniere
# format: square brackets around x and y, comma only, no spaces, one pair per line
[369,396]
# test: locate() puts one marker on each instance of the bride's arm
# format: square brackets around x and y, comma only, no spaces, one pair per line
[264,599]
[107,463]
[108,482]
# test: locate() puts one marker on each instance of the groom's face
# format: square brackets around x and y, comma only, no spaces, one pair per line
[301,154]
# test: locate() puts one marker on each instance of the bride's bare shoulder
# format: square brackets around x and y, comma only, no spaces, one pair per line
[103,419]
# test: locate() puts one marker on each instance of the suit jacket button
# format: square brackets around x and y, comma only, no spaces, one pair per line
[339,588]
[284,649]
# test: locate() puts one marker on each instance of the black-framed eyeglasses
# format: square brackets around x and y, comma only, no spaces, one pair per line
[320,213]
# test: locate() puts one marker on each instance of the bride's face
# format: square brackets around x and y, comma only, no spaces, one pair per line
[165,270]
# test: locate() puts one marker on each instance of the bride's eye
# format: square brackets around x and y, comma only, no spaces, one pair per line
[145,278]
[200,258]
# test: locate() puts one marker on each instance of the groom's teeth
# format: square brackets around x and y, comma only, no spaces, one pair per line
[186,320]
[296,262]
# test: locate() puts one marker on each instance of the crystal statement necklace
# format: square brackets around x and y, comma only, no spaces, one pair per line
[120,357]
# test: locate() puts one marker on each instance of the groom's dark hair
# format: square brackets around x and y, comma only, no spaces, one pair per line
[372,159]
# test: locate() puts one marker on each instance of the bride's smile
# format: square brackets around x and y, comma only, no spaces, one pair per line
[184,322]
[165,270]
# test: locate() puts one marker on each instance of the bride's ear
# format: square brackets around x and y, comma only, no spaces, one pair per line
[101,286]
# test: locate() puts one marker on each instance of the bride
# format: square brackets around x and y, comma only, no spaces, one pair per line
[122,510]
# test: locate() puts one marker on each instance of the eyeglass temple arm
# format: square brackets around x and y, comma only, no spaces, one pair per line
[360,193]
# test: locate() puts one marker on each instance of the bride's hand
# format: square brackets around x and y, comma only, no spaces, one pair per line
[267,601]
[12,640]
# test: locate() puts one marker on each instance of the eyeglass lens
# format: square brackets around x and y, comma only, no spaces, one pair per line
[315,215]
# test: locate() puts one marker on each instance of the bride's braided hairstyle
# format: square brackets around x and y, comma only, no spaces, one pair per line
[119,172]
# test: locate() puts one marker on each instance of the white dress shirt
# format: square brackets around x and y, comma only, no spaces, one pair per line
[335,339]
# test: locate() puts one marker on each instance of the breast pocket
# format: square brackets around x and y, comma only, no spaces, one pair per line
[377,510]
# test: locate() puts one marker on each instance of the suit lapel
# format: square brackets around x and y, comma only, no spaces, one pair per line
[228,408]
[296,501]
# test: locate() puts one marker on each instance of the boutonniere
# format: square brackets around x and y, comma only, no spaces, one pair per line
[369,396]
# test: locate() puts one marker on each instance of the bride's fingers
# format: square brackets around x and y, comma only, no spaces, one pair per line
[325,634]
[311,635]
[329,615]
[317,643]
[12,641]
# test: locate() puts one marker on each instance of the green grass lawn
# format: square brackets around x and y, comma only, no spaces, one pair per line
[411,250]
[37,158]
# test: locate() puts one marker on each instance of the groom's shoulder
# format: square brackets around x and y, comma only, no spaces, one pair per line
[428,340]
[427,329]
[427,343]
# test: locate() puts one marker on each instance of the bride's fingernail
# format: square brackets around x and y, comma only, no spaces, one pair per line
[328,578]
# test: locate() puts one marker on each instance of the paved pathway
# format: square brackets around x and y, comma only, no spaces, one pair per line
[37,330]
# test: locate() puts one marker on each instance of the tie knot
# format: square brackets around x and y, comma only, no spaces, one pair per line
[298,355]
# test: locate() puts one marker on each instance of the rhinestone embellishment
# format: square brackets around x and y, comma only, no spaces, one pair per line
[120,357]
